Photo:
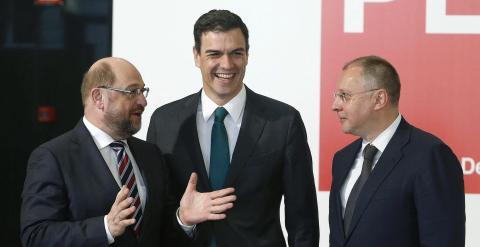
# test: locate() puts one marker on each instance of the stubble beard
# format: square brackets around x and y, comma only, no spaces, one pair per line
[122,127]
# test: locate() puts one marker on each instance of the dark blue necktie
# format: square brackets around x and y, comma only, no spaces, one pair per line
[219,154]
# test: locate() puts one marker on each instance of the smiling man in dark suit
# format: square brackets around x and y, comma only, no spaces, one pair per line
[96,185]
[233,137]
[396,185]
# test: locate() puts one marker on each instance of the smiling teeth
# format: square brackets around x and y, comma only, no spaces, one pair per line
[224,75]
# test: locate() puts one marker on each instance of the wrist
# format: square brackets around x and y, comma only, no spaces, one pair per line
[181,218]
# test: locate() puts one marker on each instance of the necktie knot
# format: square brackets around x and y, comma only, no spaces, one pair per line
[220,114]
[118,147]
[116,144]
[369,152]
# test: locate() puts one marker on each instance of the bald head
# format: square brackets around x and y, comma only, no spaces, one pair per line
[105,72]
[107,96]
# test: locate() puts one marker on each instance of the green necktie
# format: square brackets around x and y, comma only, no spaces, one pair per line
[219,153]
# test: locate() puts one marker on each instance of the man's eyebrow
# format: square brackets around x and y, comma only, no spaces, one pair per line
[212,51]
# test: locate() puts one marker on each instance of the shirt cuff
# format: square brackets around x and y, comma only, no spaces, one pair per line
[110,238]
[186,228]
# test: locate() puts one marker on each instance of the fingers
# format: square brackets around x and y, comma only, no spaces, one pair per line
[124,217]
[121,221]
[216,216]
[117,221]
[124,208]
[192,183]
[221,193]
[220,208]
[217,208]
[121,195]
[126,222]
[124,204]
[223,200]
[120,214]
[217,212]
[196,207]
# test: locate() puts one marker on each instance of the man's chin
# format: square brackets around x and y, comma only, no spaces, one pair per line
[346,130]
[136,121]
[135,128]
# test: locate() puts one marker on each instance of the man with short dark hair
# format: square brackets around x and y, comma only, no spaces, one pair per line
[396,185]
[233,137]
[96,185]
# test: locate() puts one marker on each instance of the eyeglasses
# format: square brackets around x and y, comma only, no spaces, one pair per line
[346,97]
[130,92]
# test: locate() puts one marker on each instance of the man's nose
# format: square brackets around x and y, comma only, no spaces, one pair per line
[226,61]
[142,100]
[336,104]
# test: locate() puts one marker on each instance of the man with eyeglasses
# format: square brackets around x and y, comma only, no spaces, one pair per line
[396,185]
[96,185]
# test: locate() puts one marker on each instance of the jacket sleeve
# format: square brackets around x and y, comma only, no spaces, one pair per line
[440,200]
[45,213]
[301,213]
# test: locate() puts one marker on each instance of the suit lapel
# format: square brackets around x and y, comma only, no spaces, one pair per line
[250,131]
[141,159]
[389,159]
[345,162]
[89,155]
[188,116]
[252,127]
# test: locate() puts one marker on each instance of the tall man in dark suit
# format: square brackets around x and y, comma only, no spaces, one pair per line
[96,185]
[396,185]
[233,137]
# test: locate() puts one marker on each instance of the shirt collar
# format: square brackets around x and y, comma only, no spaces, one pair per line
[100,138]
[234,107]
[384,138]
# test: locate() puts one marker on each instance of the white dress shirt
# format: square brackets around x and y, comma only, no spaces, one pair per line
[233,121]
[103,140]
[380,143]
[205,120]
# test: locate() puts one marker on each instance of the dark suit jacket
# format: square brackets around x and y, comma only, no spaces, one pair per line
[271,159]
[413,197]
[69,189]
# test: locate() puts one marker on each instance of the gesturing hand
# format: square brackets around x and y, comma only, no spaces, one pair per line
[196,207]
[120,214]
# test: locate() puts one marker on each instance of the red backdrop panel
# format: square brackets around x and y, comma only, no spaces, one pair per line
[439,75]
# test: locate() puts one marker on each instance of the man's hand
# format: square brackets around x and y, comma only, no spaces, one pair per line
[196,207]
[120,214]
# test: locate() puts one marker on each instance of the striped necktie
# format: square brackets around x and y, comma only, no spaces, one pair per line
[127,177]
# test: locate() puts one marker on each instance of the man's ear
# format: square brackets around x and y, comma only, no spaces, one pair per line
[97,98]
[196,57]
[381,98]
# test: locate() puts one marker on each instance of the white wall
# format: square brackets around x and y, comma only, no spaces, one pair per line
[284,62]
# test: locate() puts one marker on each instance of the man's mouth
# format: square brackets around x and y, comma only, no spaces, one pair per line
[224,75]
[138,112]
